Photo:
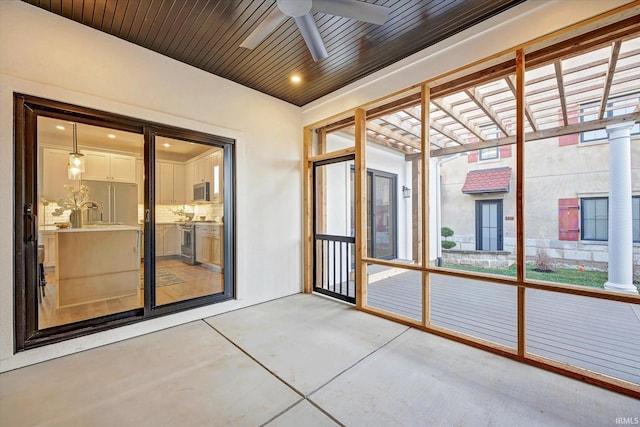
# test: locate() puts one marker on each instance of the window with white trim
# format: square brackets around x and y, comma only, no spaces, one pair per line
[589,112]
[595,218]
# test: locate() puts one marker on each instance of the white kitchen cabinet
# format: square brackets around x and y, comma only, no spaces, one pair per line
[178,184]
[209,247]
[217,190]
[188,182]
[140,179]
[101,166]
[167,241]
[54,173]
[201,253]
[203,169]
[123,168]
[170,240]
[169,183]
[217,248]
[159,240]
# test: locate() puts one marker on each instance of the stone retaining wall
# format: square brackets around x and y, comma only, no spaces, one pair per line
[486,259]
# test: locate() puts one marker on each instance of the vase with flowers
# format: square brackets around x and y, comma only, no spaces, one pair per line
[77,199]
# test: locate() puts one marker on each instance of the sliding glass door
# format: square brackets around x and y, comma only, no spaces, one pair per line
[118,220]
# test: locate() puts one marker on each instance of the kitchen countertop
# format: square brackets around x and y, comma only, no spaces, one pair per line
[105,227]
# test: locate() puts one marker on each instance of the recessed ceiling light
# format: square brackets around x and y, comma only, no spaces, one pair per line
[166,144]
[295,79]
[112,136]
[60,127]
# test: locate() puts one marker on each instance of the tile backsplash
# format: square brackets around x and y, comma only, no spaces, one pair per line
[163,213]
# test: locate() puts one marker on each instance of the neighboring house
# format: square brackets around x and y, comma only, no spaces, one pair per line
[566,209]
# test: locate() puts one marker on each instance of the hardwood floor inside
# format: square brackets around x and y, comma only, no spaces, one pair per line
[179,282]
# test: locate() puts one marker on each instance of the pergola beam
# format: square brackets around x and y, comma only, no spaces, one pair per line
[560,83]
[380,141]
[395,121]
[543,134]
[449,111]
[381,130]
[613,60]
[413,112]
[477,98]
[510,80]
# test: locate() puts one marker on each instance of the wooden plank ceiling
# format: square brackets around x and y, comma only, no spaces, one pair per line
[207,33]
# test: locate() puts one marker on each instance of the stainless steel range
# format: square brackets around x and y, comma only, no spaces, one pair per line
[187,243]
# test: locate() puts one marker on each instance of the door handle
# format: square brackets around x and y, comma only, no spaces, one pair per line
[30,224]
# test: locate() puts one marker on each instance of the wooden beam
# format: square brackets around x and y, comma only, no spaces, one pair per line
[392,134]
[510,80]
[332,154]
[542,134]
[441,129]
[487,109]
[398,104]
[583,67]
[319,189]
[474,79]
[613,60]
[584,42]
[560,82]
[381,141]
[520,231]
[395,121]
[449,111]
[413,112]
[416,197]
[424,217]
[360,208]
[307,167]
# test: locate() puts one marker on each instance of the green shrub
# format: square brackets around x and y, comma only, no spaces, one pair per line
[448,244]
[446,232]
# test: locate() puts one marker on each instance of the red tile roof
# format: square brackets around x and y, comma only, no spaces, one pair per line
[494,180]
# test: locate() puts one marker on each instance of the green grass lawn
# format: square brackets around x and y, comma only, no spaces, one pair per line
[567,276]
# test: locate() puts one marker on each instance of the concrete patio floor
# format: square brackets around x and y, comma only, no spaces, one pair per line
[302,360]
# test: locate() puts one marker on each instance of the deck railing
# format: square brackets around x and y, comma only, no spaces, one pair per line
[334,261]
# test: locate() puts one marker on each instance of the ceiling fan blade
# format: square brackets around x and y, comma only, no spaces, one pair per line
[311,35]
[353,9]
[266,27]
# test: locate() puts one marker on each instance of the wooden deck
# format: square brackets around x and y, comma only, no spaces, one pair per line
[600,335]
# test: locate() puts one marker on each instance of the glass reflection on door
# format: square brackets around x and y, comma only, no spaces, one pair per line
[90,182]
[381,215]
[189,220]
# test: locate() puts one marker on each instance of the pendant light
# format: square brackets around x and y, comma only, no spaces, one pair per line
[76,159]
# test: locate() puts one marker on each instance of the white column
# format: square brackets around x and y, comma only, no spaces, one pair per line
[620,220]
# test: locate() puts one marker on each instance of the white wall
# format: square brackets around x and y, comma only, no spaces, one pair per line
[51,57]
[381,159]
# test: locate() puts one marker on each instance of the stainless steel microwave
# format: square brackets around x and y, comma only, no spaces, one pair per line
[201,192]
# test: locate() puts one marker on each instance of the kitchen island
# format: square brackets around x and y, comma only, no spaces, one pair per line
[96,263]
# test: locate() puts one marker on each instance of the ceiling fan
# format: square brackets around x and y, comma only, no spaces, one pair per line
[302,12]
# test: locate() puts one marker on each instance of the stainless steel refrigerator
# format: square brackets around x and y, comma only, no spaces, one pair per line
[119,203]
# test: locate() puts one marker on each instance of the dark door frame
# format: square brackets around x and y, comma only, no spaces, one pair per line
[371,193]
[499,224]
[334,244]
[370,197]
[27,109]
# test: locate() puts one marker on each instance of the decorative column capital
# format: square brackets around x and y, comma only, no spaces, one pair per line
[620,130]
